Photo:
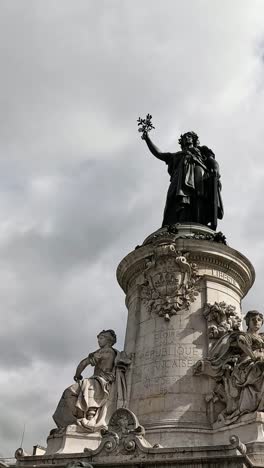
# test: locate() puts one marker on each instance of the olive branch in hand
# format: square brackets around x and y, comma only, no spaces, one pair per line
[145,125]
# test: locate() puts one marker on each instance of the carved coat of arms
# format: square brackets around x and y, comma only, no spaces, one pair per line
[170,283]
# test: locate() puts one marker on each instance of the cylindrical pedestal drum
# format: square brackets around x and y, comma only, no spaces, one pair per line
[168,282]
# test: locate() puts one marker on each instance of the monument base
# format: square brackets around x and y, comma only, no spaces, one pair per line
[170,282]
[233,455]
[124,444]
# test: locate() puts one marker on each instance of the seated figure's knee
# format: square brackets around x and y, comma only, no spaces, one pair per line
[73,390]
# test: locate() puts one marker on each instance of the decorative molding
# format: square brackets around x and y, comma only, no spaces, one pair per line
[207,255]
[133,450]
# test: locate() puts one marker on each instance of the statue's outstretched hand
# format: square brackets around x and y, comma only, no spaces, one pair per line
[145,125]
[144,135]
[78,378]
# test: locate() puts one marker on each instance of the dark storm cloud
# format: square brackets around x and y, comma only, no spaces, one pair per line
[78,189]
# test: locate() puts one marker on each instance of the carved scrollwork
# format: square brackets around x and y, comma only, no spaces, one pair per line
[123,433]
[111,445]
[237,444]
[170,282]
[130,445]
[124,422]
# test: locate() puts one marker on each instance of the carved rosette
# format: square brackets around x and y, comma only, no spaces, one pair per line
[170,283]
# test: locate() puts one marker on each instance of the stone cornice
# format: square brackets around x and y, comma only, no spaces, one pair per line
[206,254]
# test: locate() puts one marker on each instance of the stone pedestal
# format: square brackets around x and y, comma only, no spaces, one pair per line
[172,283]
[167,282]
[72,440]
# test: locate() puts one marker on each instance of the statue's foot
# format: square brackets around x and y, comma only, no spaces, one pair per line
[87,424]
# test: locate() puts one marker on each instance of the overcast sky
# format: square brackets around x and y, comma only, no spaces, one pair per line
[78,188]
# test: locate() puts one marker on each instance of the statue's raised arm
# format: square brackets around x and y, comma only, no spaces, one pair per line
[194,192]
[154,149]
[145,126]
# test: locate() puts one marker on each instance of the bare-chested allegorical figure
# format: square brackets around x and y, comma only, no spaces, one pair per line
[85,402]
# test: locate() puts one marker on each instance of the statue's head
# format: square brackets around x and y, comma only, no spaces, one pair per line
[106,337]
[188,139]
[254,320]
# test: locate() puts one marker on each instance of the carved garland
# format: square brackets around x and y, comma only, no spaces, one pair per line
[221,318]
[173,233]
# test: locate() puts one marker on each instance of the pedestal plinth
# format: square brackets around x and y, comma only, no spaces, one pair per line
[167,282]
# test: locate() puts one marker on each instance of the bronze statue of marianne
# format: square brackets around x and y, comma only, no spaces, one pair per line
[194,192]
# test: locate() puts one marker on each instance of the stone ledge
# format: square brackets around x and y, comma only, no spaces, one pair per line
[196,457]
[203,252]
